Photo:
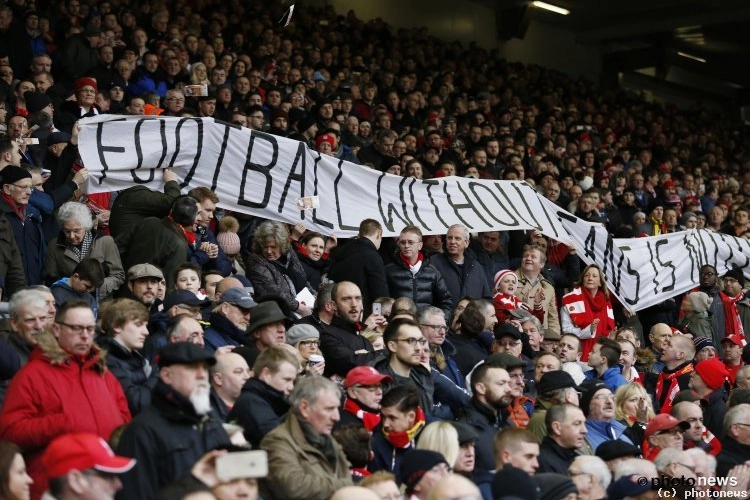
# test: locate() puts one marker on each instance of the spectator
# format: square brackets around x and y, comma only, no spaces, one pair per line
[364,392]
[591,477]
[87,276]
[228,376]
[708,383]
[360,263]
[534,289]
[305,339]
[180,401]
[662,432]
[435,329]
[402,420]
[491,395]
[262,401]
[554,388]
[598,404]
[341,342]
[143,283]
[604,362]
[696,436]
[85,397]
[79,239]
[566,430]
[734,445]
[229,320]
[421,471]
[274,268]
[82,465]
[266,329]
[462,273]
[293,472]
[83,107]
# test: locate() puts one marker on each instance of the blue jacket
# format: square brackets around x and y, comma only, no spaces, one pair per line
[222,332]
[220,263]
[600,431]
[612,377]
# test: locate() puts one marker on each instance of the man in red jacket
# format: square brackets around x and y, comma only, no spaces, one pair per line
[65,387]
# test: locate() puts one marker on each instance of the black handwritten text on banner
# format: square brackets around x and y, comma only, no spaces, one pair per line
[264,175]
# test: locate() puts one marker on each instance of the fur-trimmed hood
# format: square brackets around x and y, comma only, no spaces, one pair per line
[49,350]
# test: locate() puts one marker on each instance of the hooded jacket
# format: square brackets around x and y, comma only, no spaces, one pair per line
[56,393]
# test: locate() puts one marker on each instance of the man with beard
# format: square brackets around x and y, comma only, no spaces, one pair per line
[143,284]
[262,403]
[598,404]
[404,344]
[364,391]
[179,427]
[709,284]
[340,342]
[490,385]
[566,431]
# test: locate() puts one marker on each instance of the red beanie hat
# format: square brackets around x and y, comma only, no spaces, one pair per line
[502,274]
[82,82]
[713,372]
[325,138]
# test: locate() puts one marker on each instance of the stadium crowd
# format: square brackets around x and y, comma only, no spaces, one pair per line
[152,338]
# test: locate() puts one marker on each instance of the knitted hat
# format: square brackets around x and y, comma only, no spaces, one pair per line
[512,482]
[329,138]
[702,342]
[502,274]
[736,273]
[554,486]
[227,238]
[713,372]
[12,174]
[700,301]
[301,332]
[83,82]
[279,113]
[588,389]
[36,101]
[415,464]
[305,123]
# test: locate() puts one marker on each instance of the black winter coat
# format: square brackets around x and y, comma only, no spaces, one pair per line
[732,453]
[359,262]
[258,410]
[469,352]
[467,279]
[554,458]
[419,376]
[167,438]
[135,374]
[426,288]
[338,342]
[484,420]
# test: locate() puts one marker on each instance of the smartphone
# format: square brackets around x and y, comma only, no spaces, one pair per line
[242,465]
[377,308]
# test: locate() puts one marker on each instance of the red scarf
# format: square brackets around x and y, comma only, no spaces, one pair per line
[667,386]
[369,420]
[409,265]
[189,235]
[404,439]
[584,309]
[732,323]
[19,210]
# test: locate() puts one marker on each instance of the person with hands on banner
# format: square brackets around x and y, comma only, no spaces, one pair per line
[587,311]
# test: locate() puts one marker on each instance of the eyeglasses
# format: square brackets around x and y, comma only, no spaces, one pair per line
[310,343]
[24,188]
[413,341]
[741,424]
[438,328]
[78,329]
[604,397]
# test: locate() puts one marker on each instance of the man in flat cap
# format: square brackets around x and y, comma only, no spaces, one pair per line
[143,284]
[178,428]
[25,220]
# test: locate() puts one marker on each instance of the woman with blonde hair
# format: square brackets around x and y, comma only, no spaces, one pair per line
[441,437]
[634,408]
[199,74]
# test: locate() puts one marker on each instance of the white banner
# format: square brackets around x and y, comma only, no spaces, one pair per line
[265,175]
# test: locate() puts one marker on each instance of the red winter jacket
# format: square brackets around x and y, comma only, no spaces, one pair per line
[54,394]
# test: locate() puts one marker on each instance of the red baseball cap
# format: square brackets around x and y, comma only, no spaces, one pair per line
[83,451]
[663,422]
[364,375]
[735,339]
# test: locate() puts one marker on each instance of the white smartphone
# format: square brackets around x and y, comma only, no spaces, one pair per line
[241,465]
[377,308]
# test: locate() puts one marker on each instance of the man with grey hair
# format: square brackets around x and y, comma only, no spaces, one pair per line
[735,446]
[435,328]
[29,315]
[635,466]
[591,476]
[304,461]
[462,272]
[678,467]
[743,377]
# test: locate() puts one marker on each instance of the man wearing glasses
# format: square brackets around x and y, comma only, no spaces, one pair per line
[84,397]
[25,220]
[404,344]
[598,404]
[364,391]
[434,328]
